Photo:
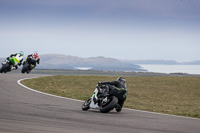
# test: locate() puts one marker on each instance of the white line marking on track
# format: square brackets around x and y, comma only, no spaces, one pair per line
[19,82]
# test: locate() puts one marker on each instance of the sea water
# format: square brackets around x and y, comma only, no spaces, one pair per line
[190,69]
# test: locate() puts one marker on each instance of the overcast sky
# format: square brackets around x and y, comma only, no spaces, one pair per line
[122,29]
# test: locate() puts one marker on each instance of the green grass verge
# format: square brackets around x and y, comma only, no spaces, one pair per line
[169,95]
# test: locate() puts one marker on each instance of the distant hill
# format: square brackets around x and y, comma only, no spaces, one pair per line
[56,61]
[192,63]
[2,60]
[161,62]
[152,62]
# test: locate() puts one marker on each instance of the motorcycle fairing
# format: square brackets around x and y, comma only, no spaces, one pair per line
[94,96]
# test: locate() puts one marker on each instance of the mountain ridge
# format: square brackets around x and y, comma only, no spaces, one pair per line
[95,63]
[161,62]
[60,61]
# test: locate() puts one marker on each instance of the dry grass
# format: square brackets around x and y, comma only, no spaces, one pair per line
[170,95]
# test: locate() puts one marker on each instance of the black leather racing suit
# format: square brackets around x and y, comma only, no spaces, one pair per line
[32,61]
[118,89]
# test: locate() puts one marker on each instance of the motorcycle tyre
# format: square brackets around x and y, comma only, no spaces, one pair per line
[25,68]
[86,105]
[28,71]
[110,105]
[4,68]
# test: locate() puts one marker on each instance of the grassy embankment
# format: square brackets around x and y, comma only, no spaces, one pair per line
[170,95]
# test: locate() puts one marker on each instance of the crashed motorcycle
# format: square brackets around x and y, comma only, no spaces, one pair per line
[102,99]
[7,66]
[27,65]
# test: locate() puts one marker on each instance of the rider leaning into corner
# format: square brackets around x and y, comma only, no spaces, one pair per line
[36,59]
[117,87]
[16,59]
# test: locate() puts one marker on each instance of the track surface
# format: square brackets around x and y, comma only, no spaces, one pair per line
[25,111]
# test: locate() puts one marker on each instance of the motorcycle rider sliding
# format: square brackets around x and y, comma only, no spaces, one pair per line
[117,87]
[12,62]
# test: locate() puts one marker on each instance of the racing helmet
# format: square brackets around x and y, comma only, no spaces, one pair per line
[121,79]
[21,53]
[35,53]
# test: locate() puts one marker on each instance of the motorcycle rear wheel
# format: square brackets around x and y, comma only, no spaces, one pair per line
[110,105]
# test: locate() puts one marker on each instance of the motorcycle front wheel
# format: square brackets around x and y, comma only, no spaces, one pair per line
[86,105]
[25,68]
[4,68]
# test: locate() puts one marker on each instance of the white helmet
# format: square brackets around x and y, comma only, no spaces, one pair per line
[121,79]
[35,53]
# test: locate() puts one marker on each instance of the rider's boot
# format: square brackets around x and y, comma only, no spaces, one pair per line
[118,108]
[13,68]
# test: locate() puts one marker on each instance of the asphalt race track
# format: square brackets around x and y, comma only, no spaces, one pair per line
[26,111]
